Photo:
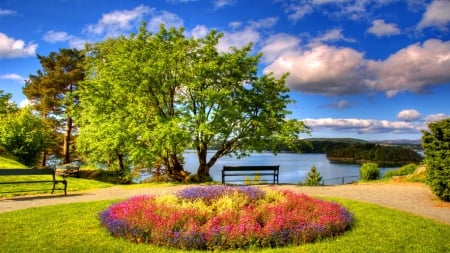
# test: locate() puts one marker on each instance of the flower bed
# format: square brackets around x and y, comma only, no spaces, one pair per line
[225,217]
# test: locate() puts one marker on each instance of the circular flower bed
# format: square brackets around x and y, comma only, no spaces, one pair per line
[225,217]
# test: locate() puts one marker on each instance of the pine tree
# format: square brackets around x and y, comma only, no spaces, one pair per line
[313,178]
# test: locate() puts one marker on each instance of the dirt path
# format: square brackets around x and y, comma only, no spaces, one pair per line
[410,197]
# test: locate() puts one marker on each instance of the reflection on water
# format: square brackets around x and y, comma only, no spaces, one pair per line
[293,167]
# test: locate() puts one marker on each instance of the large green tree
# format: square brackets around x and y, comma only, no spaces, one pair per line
[24,135]
[6,105]
[436,145]
[51,91]
[159,94]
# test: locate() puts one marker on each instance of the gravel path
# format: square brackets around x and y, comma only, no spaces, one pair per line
[410,197]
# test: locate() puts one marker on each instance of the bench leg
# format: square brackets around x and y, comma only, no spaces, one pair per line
[54,187]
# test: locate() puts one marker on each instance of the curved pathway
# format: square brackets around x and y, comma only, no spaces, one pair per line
[410,197]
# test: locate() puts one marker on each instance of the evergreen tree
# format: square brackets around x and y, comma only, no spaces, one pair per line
[313,178]
[436,145]
[51,91]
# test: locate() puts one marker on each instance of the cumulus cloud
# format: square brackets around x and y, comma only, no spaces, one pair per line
[324,69]
[53,36]
[364,126]
[237,39]
[199,31]
[167,18]
[379,28]
[413,68]
[321,69]
[13,77]
[12,48]
[279,44]
[436,15]
[436,117]
[118,22]
[408,115]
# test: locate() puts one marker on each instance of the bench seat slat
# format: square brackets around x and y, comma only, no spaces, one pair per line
[251,170]
[34,172]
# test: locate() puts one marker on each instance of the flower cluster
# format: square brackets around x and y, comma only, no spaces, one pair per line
[223,217]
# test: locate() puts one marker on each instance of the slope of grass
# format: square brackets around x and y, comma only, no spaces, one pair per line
[75,228]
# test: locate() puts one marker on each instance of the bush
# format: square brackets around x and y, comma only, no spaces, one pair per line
[369,171]
[402,171]
[225,217]
[436,145]
[313,178]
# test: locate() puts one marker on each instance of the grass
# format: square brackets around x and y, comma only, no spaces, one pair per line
[75,228]
[8,162]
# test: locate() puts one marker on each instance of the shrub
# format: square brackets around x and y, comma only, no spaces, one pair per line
[402,171]
[313,178]
[224,217]
[436,145]
[369,171]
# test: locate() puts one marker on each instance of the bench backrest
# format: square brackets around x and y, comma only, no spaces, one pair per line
[27,172]
[251,168]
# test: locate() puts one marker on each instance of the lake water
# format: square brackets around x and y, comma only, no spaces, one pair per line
[293,167]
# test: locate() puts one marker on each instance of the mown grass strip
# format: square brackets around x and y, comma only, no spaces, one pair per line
[75,228]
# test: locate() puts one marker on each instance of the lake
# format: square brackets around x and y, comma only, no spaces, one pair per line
[293,167]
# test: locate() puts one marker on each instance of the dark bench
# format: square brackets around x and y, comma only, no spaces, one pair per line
[251,170]
[30,172]
[70,169]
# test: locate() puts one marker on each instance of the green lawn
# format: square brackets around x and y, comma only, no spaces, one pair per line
[75,228]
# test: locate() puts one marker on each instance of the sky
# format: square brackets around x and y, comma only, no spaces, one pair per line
[367,69]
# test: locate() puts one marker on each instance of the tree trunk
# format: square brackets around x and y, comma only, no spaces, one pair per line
[44,158]
[203,170]
[67,138]
[175,168]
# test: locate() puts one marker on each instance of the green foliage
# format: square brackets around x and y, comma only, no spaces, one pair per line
[151,96]
[25,136]
[369,171]
[313,178]
[402,171]
[436,145]
[6,105]
[370,152]
[51,91]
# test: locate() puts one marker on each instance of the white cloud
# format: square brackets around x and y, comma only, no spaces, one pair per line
[12,48]
[379,28]
[324,69]
[25,103]
[321,69]
[408,115]
[167,18]
[218,4]
[13,77]
[413,68]
[279,44]
[364,126]
[436,15]
[199,31]
[238,39]
[53,36]
[6,12]
[118,22]
[333,35]
[436,117]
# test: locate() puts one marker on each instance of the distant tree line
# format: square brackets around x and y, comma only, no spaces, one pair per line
[384,155]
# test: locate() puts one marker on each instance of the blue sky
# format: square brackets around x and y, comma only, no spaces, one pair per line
[369,69]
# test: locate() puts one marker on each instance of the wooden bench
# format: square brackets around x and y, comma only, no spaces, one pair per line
[70,169]
[30,172]
[251,170]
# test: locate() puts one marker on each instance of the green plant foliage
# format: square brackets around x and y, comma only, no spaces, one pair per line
[371,152]
[402,171]
[436,145]
[24,135]
[313,178]
[369,171]
[151,96]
